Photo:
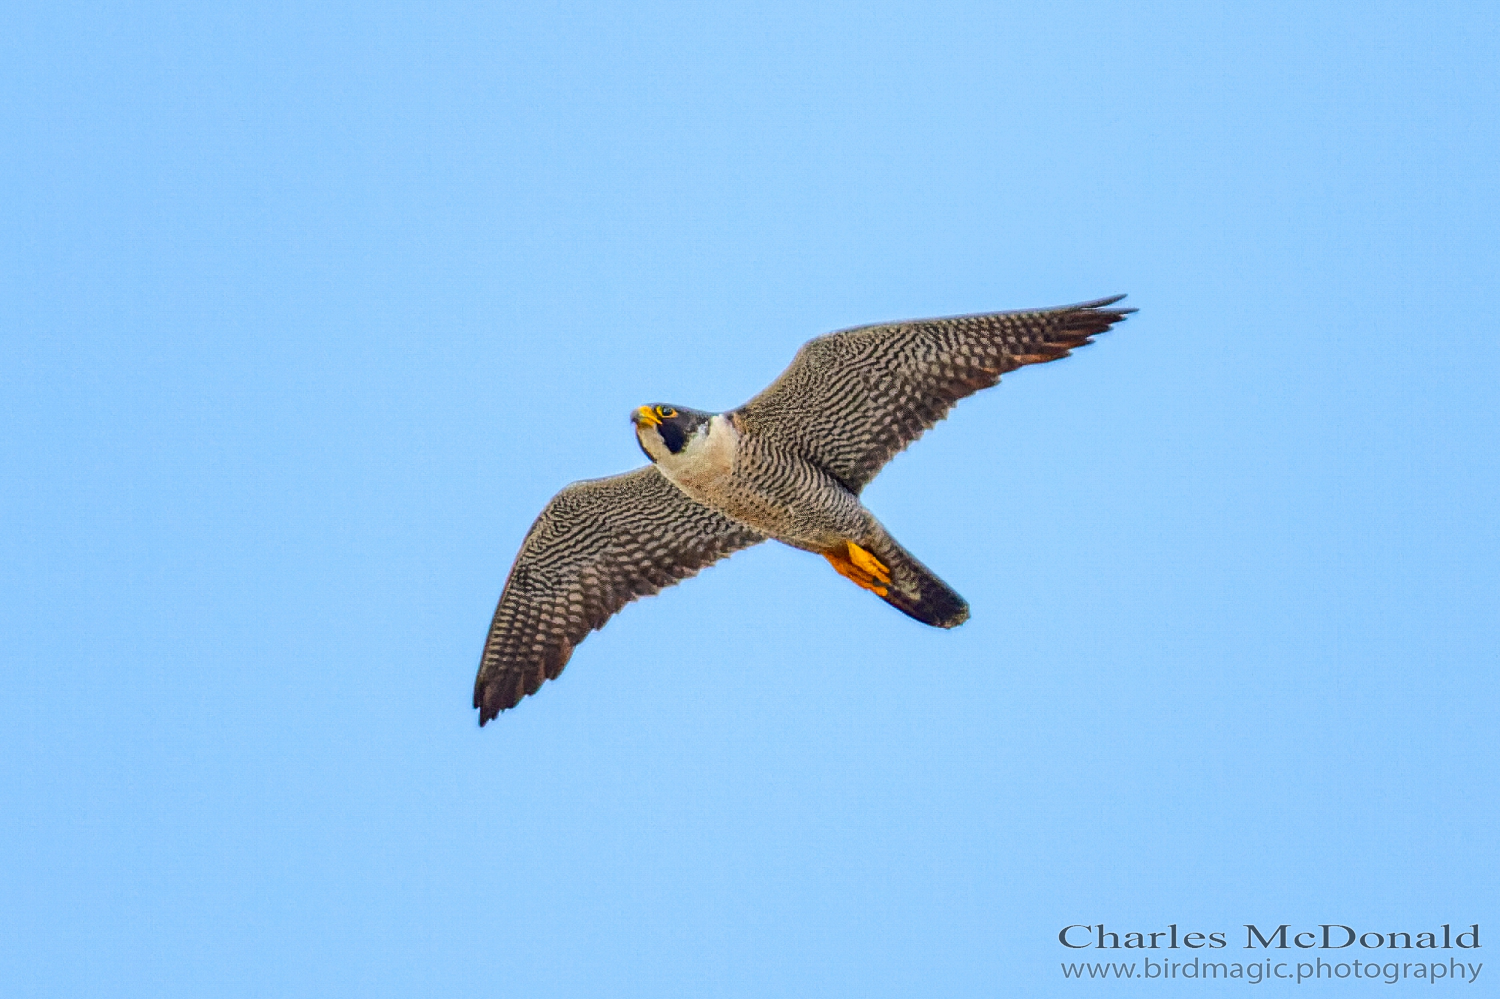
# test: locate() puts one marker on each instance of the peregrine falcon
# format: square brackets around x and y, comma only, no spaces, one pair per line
[789,464]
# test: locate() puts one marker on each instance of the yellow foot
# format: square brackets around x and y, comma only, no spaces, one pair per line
[869,563]
[860,568]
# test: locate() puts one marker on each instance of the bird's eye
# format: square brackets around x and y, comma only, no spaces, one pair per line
[666,412]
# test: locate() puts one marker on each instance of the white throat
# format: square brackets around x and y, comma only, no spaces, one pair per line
[705,462]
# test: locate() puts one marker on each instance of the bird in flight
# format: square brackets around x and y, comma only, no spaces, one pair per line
[789,464]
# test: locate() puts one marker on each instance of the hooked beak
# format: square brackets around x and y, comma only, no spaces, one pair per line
[646,415]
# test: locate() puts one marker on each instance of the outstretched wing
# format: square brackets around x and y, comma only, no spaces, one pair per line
[851,400]
[597,546]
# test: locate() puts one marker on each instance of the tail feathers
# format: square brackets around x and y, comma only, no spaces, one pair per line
[914,589]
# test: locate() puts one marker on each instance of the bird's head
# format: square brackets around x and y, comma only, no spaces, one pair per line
[662,429]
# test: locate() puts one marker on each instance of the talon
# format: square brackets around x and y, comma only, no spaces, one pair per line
[869,563]
[859,575]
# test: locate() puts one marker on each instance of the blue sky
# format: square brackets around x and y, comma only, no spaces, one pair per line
[305,315]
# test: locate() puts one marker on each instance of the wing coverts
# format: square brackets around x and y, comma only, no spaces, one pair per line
[851,400]
[847,404]
[597,546]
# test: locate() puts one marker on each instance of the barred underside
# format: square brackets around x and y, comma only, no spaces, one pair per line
[808,445]
[851,400]
[597,546]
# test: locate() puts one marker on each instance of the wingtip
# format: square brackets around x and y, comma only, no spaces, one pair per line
[1100,303]
[490,705]
[484,702]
